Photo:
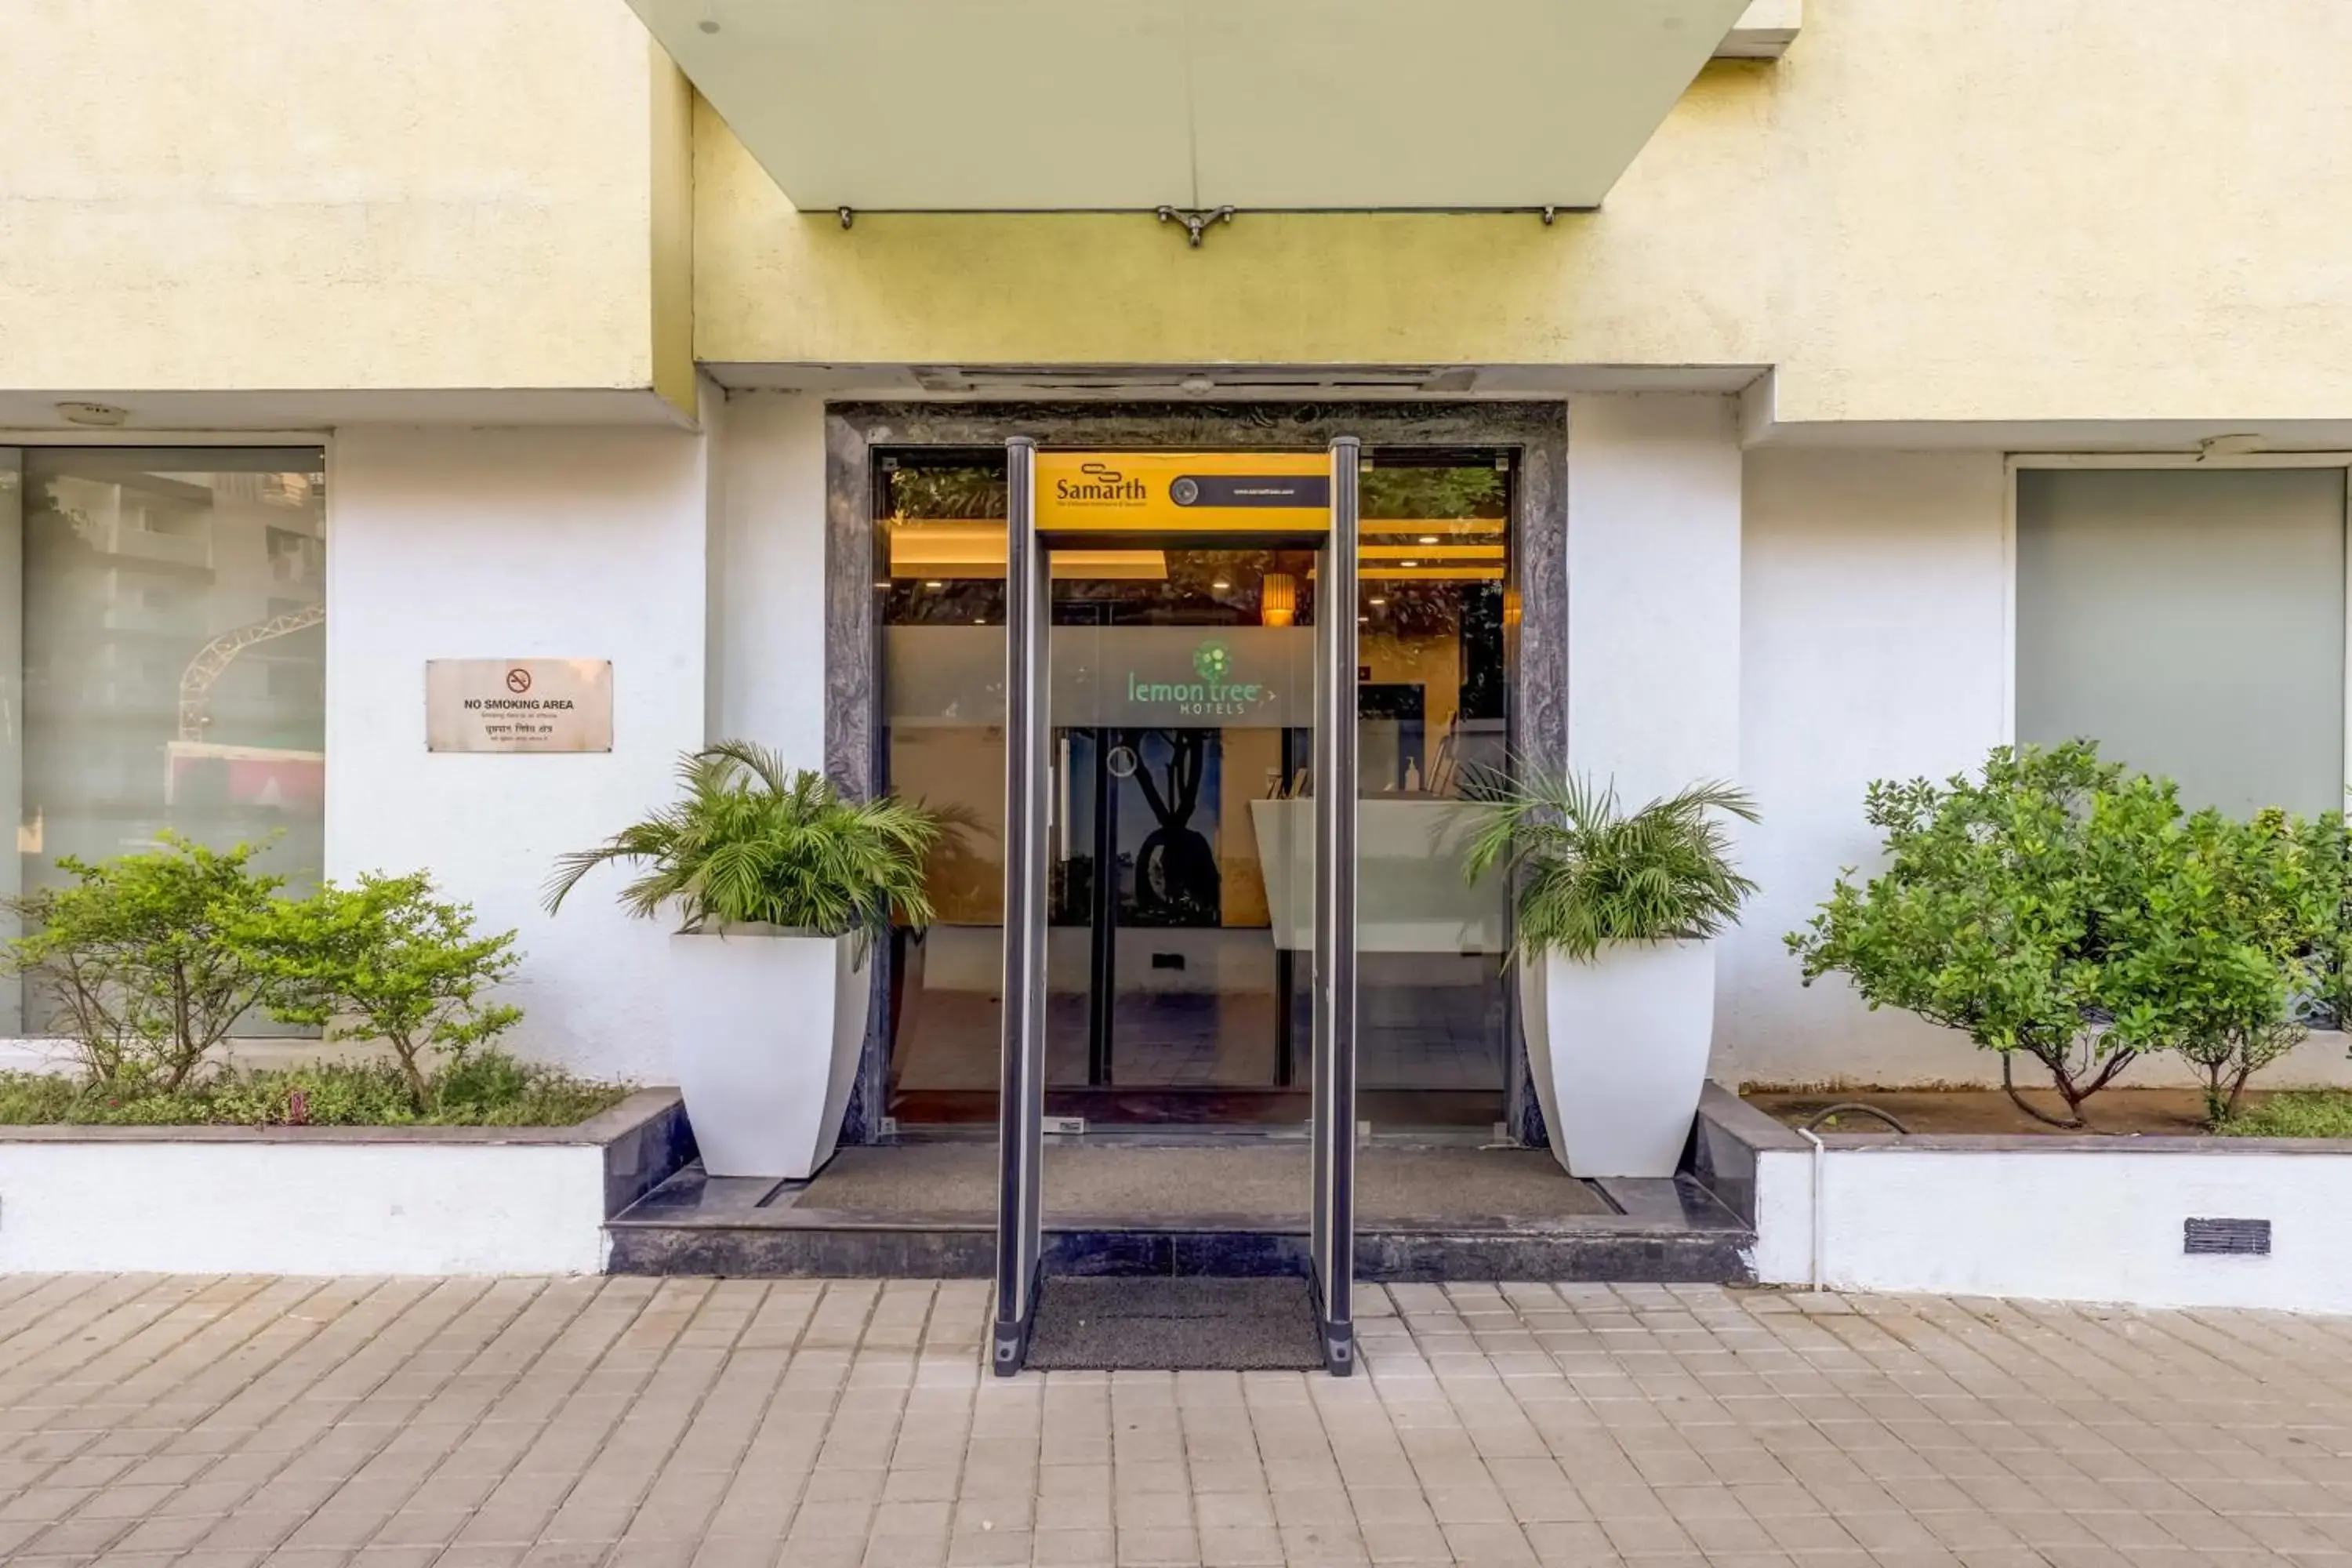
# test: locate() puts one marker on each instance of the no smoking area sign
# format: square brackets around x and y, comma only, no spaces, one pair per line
[519,705]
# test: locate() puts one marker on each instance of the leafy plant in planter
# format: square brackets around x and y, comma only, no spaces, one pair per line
[753,843]
[137,956]
[2001,908]
[1616,973]
[766,1027]
[1587,872]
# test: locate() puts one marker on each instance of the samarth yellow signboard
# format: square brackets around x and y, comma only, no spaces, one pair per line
[1183,492]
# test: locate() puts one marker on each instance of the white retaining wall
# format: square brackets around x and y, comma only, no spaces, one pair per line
[277,1206]
[2068,1224]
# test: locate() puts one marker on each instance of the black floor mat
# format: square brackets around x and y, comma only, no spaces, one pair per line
[1169,1324]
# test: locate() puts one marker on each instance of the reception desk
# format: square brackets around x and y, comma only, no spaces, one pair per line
[1411,895]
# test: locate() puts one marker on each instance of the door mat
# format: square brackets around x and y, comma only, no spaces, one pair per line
[1175,1324]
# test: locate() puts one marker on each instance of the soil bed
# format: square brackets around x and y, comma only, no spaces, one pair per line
[2170,1112]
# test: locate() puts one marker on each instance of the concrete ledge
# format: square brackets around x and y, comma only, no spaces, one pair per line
[2063,1217]
[332,1200]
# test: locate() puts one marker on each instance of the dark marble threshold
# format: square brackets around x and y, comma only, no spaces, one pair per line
[1633,1254]
[1660,1232]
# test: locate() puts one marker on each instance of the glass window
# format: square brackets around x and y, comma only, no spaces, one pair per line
[1432,712]
[163,661]
[2192,623]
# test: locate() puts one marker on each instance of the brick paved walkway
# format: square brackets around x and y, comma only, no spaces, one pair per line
[219,1422]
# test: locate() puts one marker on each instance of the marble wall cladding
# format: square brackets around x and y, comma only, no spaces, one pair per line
[648,1152]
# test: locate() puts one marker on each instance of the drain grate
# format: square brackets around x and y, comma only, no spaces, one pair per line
[2226,1238]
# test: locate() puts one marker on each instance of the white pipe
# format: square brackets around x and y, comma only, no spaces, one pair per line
[1810,1136]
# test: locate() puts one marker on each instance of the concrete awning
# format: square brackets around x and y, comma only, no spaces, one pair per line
[1076,105]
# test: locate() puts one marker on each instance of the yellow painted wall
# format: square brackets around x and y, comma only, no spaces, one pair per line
[2008,209]
[310,193]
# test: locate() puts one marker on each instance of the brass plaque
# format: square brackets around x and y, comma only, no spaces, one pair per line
[519,705]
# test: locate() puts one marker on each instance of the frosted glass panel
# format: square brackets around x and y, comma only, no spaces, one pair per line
[2192,623]
[165,611]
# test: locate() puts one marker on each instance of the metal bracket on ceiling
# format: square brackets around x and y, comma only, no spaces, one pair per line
[1548,214]
[1196,223]
[846,215]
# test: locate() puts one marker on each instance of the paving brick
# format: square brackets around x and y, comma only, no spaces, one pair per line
[491,1423]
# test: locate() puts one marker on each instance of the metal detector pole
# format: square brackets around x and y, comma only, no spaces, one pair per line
[1028,779]
[1335,922]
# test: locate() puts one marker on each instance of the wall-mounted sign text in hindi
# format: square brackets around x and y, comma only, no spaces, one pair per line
[519,705]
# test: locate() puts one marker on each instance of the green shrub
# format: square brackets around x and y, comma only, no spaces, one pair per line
[754,844]
[150,958]
[138,957]
[2218,953]
[384,961]
[486,1088]
[2066,910]
[1990,916]
[1587,872]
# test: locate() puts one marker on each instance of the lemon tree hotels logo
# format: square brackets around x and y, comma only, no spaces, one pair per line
[1212,693]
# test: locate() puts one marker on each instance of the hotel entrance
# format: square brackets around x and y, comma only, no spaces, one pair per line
[1127,1092]
[1181,719]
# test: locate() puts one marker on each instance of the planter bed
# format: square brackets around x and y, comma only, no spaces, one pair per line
[2053,1214]
[2177,1113]
[332,1200]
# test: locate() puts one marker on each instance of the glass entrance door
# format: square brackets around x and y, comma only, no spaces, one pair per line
[1183,691]
[1181,715]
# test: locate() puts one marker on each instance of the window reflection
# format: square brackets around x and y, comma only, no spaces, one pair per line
[167,671]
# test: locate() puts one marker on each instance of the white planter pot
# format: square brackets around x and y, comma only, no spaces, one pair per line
[765,1030]
[1618,1049]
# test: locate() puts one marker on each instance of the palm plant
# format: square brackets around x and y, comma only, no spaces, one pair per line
[1589,873]
[755,843]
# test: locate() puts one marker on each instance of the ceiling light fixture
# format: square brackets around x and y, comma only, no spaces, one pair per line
[1408,563]
[1379,601]
[1221,584]
[935,583]
[1429,538]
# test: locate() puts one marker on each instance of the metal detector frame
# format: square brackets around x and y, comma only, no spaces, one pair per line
[1028,803]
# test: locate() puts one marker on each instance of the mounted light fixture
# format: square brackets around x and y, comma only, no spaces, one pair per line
[1277,599]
